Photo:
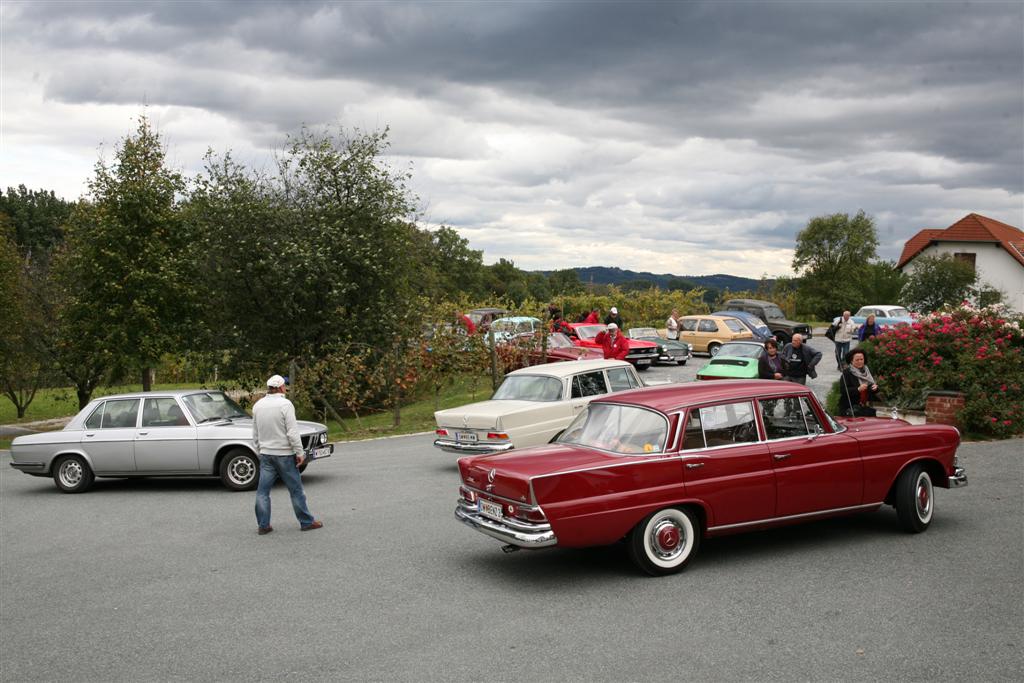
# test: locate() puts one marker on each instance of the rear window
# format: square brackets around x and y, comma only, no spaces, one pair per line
[628,430]
[734,325]
[529,388]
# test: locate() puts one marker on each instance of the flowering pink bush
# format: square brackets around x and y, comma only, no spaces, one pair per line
[977,351]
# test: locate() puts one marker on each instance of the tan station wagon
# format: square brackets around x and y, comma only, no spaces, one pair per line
[707,333]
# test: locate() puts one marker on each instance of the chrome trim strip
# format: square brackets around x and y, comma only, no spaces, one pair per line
[787,518]
[477,448]
[489,494]
[539,539]
[958,479]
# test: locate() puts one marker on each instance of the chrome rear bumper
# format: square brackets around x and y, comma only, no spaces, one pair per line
[958,479]
[474,448]
[517,532]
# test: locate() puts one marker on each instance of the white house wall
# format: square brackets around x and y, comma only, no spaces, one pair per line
[993,264]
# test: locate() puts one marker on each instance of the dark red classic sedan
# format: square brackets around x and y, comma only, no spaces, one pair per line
[668,466]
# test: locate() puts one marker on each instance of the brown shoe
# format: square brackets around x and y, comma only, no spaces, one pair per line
[264,531]
[317,524]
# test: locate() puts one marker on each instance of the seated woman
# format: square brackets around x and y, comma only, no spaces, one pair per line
[857,388]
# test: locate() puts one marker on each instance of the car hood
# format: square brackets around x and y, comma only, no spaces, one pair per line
[243,426]
[785,321]
[871,424]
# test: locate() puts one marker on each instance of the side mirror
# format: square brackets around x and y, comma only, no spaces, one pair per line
[818,431]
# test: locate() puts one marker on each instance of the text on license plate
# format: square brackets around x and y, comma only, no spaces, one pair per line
[322,452]
[643,361]
[465,436]
[489,509]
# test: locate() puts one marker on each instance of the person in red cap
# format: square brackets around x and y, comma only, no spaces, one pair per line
[614,344]
[275,437]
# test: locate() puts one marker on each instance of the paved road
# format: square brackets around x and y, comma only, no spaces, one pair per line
[167,580]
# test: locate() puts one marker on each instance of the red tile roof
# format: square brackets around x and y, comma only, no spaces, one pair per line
[970,228]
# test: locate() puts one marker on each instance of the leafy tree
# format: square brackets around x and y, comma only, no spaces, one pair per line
[458,269]
[832,254]
[565,281]
[937,281]
[37,216]
[128,275]
[881,283]
[20,368]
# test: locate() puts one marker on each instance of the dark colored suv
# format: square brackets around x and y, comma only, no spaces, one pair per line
[782,328]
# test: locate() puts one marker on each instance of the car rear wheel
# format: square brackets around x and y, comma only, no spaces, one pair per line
[72,474]
[915,499]
[713,348]
[665,541]
[240,470]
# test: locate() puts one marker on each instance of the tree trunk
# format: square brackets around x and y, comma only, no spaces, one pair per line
[147,379]
[84,395]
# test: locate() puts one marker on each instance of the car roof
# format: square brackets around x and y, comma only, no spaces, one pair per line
[158,394]
[672,397]
[710,315]
[744,342]
[571,367]
[489,310]
[519,319]
[742,315]
[761,302]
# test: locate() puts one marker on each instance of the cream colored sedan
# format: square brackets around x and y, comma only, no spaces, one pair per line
[532,406]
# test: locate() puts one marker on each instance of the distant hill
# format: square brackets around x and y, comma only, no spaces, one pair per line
[601,275]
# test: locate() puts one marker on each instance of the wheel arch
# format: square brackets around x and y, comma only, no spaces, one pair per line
[226,448]
[78,452]
[931,465]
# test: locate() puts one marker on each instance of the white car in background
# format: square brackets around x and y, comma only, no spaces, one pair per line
[532,406]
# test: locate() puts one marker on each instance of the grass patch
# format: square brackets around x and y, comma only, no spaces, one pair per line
[63,402]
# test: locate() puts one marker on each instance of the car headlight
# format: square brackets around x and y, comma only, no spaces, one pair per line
[323,437]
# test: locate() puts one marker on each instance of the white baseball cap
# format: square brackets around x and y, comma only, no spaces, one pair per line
[615,311]
[612,326]
[275,381]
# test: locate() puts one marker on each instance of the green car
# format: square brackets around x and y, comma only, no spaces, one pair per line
[669,350]
[735,360]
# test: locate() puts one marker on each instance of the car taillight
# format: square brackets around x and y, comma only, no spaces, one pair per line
[527,514]
[497,435]
[441,432]
[467,495]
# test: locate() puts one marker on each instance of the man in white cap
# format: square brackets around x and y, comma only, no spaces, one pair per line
[614,344]
[613,317]
[275,437]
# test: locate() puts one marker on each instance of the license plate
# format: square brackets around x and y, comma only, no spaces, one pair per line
[489,509]
[322,452]
[469,437]
[644,361]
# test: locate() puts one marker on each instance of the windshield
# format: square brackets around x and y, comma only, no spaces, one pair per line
[774,313]
[620,429]
[588,331]
[512,326]
[898,313]
[741,350]
[529,388]
[213,405]
[638,332]
[557,340]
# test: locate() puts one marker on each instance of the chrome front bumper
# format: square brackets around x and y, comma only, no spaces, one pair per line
[474,448]
[514,532]
[958,479]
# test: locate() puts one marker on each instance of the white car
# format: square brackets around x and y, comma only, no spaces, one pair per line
[532,406]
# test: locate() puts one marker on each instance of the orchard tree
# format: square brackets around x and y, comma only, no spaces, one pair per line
[37,217]
[565,281]
[881,283]
[20,367]
[127,272]
[832,256]
[937,281]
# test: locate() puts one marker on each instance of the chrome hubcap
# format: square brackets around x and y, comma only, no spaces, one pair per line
[924,497]
[241,471]
[71,473]
[668,539]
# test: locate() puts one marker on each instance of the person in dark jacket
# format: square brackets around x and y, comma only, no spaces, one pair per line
[857,387]
[614,317]
[614,344]
[770,366]
[869,330]
[799,360]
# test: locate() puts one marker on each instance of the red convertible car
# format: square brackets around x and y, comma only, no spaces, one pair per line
[642,354]
[665,467]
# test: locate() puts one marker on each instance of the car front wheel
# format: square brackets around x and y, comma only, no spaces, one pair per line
[915,499]
[665,541]
[72,474]
[240,470]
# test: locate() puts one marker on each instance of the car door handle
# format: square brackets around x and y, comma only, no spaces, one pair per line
[143,433]
[782,456]
[694,465]
[579,406]
[89,435]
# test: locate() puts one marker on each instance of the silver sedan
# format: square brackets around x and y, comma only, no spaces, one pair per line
[155,434]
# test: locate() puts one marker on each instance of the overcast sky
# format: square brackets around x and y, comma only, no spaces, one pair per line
[686,138]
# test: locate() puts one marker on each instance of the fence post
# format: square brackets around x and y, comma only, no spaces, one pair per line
[494,359]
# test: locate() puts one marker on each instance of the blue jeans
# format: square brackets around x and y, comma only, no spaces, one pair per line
[842,348]
[273,467]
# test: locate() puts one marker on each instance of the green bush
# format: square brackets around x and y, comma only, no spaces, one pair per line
[976,351]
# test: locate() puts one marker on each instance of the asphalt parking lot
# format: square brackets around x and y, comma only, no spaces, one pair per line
[156,579]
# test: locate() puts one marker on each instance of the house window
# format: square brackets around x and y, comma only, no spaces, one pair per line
[966,258]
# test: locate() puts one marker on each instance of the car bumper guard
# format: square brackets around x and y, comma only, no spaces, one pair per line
[514,532]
